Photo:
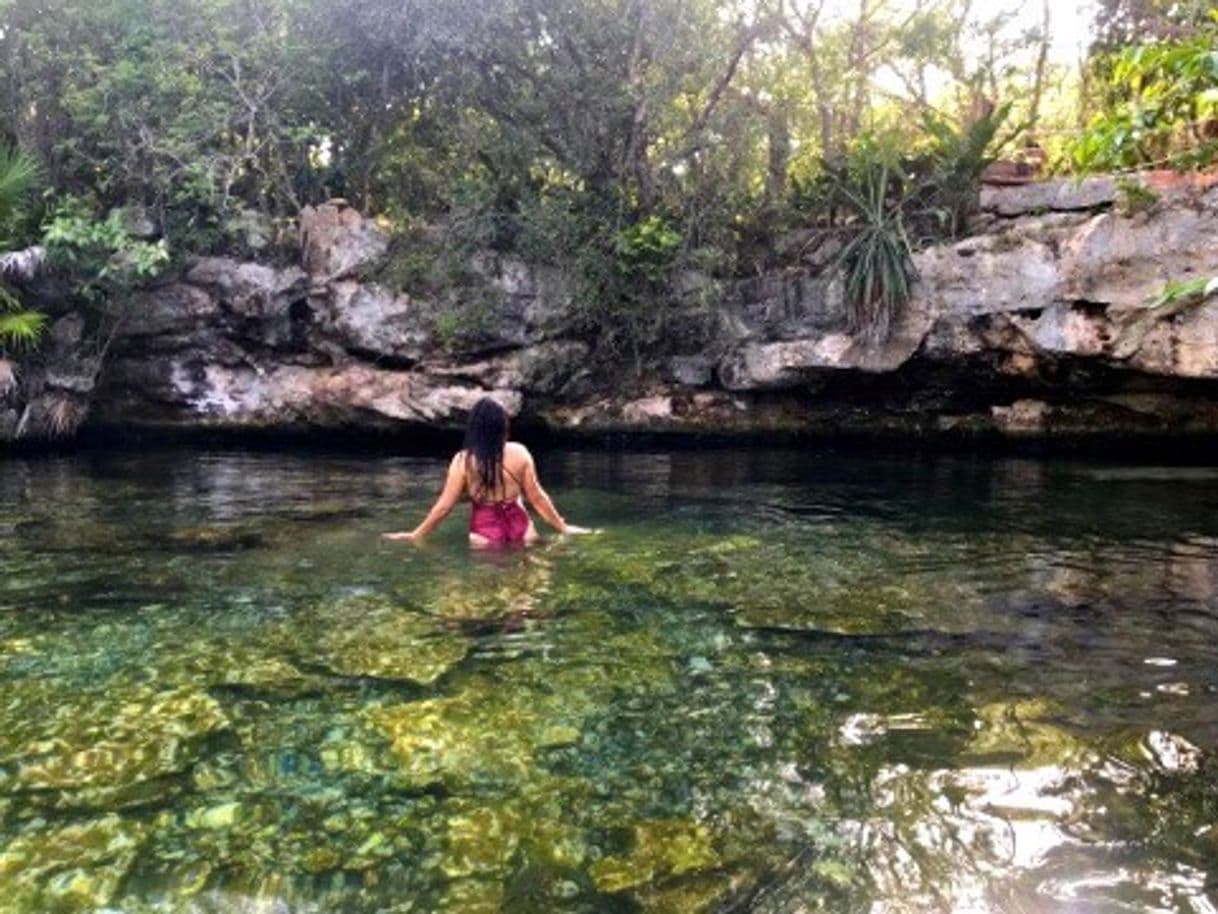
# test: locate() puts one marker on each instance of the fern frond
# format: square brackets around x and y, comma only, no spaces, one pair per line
[21,330]
[19,172]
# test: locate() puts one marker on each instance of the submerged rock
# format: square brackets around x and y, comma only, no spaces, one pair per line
[216,663]
[457,741]
[108,746]
[77,868]
[1019,734]
[373,638]
[472,896]
[489,733]
[660,848]
[480,841]
[701,893]
[211,539]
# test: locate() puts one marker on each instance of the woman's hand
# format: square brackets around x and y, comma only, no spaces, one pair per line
[402,537]
[578,531]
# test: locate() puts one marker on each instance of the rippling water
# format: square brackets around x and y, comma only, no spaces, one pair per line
[778,682]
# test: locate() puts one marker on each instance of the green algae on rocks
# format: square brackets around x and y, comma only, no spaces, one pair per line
[855,689]
[375,638]
[658,849]
[75,868]
[109,745]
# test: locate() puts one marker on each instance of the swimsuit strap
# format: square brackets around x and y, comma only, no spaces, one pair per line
[510,501]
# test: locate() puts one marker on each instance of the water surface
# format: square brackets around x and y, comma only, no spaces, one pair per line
[778,682]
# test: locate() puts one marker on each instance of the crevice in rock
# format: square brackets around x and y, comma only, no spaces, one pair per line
[381,359]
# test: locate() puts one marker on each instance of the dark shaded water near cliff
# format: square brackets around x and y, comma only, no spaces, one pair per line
[778,682]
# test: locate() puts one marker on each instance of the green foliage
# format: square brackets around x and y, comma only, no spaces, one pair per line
[1117,23]
[887,204]
[877,259]
[412,264]
[101,252]
[1133,196]
[1176,297]
[630,144]
[189,109]
[1161,106]
[948,171]
[465,322]
[20,329]
[19,173]
[647,248]
[1185,293]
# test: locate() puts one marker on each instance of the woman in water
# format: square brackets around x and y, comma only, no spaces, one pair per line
[495,473]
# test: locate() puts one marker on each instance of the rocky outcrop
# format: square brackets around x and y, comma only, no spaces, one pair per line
[47,396]
[336,241]
[1037,326]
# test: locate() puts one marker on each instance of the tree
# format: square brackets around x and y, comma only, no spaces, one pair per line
[189,110]
[1120,23]
[1160,105]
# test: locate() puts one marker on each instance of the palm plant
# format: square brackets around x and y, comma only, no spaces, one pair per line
[890,203]
[20,328]
[877,259]
[949,170]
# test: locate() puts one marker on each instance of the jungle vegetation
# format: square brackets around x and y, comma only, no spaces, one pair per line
[630,142]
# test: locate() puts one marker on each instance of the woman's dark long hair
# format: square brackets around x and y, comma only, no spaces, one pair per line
[485,437]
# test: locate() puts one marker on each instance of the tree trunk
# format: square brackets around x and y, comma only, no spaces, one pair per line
[1042,59]
[778,130]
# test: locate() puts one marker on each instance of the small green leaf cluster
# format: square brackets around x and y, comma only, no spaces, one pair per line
[1161,106]
[101,251]
[648,247]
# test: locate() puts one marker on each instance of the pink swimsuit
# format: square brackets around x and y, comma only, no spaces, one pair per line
[500,522]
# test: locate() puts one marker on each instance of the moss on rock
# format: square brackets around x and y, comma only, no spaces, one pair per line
[374,638]
[661,848]
[102,746]
[76,868]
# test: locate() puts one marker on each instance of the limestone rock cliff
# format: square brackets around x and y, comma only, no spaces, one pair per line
[1038,325]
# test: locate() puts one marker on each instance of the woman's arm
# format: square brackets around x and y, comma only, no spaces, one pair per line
[538,498]
[454,485]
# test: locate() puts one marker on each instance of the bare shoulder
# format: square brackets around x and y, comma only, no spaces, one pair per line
[517,454]
[518,450]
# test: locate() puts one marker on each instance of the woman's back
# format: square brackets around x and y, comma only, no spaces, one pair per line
[509,484]
[496,475]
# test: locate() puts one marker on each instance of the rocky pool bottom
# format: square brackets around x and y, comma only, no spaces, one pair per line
[778,682]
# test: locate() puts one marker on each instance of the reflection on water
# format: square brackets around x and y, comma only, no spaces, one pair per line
[780,682]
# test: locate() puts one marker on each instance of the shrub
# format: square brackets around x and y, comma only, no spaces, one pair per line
[100,252]
[1161,106]
[877,259]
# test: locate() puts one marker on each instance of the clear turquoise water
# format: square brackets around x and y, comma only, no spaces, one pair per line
[778,682]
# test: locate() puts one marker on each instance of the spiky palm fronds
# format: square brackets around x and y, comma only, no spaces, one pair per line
[20,328]
[63,417]
[877,259]
[19,173]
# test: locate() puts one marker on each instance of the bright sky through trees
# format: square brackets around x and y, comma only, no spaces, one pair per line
[1070,31]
